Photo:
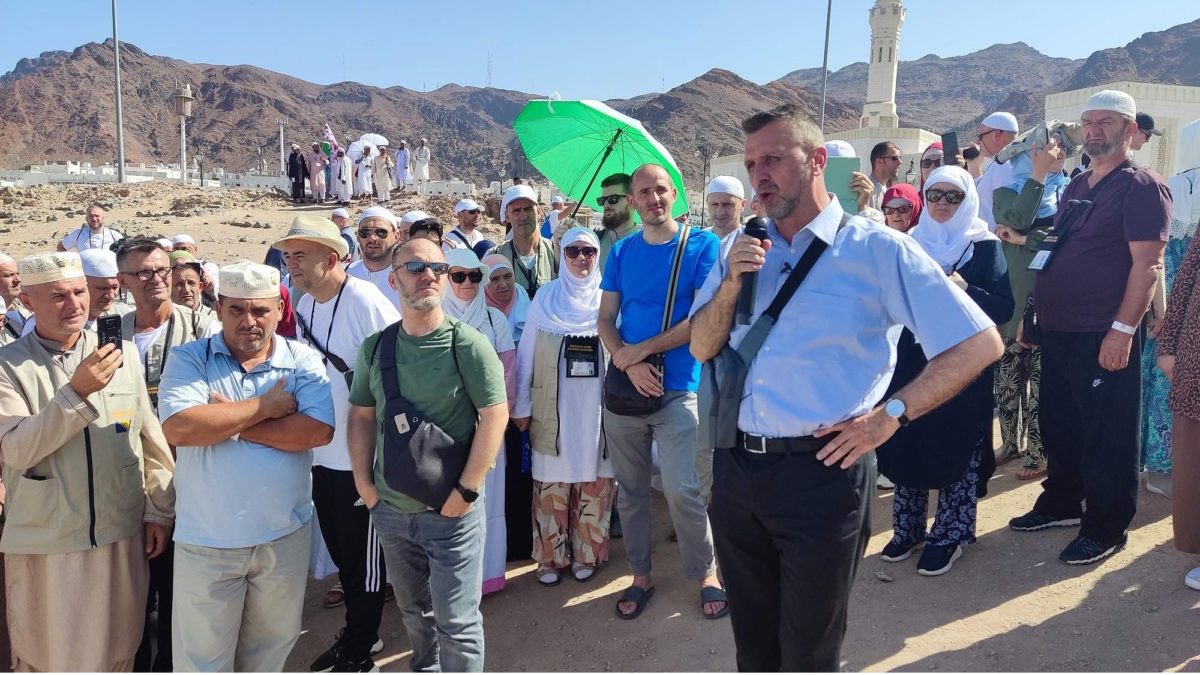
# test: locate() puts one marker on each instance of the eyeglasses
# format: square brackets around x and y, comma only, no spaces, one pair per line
[987,133]
[574,252]
[475,276]
[902,210]
[933,196]
[931,163]
[379,232]
[418,267]
[609,200]
[147,275]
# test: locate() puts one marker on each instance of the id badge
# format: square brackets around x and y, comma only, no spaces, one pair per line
[582,355]
[1042,258]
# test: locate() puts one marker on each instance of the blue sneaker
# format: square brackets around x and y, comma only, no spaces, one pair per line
[1085,550]
[898,549]
[937,559]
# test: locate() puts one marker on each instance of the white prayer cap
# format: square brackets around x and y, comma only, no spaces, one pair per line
[1001,121]
[839,149]
[295,146]
[343,213]
[182,239]
[514,193]
[165,243]
[316,229]
[249,280]
[467,204]
[378,212]
[99,262]
[6,259]
[411,217]
[727,185]
[43,268]
[1112,100]
[557,199]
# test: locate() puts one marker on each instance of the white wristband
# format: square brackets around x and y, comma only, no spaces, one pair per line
[1124,328]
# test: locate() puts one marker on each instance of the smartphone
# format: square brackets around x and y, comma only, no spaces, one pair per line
[109,330]
[950,149]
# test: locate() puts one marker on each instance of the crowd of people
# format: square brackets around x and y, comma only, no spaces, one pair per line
[420,406]
[370,174]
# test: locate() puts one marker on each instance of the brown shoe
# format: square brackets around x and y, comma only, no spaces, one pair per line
[334,597]
[389,593]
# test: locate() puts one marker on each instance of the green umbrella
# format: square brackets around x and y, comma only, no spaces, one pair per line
[576,144]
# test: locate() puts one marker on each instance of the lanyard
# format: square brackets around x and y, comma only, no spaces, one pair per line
[531,282]
[312,312]
[166,345]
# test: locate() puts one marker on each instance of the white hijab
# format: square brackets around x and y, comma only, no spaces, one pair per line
[951,243]
[569,305]
[1185,186]
[473,312]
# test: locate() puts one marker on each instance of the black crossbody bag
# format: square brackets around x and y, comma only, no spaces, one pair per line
[620,396]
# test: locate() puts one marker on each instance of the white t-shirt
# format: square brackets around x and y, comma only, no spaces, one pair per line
[358,270]
[144,340]
[84,239]
[361,312]
[452,241]
[996,176]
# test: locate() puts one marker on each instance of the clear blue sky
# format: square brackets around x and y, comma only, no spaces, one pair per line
[607,49]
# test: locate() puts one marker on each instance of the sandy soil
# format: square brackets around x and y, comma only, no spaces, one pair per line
[1008,604]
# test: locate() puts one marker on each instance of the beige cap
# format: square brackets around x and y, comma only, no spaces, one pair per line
[249,280]
[318,230]
[43,268]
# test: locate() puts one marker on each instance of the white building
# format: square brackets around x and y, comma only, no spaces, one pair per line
[1172,107]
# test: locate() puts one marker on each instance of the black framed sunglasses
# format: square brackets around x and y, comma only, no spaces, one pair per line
[379,232]
[609,200]
[574,252]
[475,276]
[932,163]
[418,267]
[903,210]
[934,195]
[147,275]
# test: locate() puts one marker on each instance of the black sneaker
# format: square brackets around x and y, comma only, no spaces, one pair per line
[897,549]
[1085,550]
[1034,521]
[937,559]
[366,665]
[328,662]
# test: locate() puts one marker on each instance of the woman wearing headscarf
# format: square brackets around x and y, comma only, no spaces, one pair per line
[948,450]
[466,302]
[1158,401]
[560,382]
[505,294]
[1179,351]
[933,158]
[901,207]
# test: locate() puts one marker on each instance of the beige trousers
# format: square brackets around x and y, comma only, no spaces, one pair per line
[239,609]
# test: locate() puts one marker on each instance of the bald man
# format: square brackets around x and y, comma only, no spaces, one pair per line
[13,314]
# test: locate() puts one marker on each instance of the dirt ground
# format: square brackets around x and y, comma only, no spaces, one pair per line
[1008,604]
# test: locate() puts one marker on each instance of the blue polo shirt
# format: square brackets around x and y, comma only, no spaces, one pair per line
[640,272]
[237,494]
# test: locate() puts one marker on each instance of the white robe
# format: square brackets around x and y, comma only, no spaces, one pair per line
[422,164]
[403,170]
[343,176]
[362,184]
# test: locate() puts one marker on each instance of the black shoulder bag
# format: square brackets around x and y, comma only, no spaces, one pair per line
[620,396]
[419,458]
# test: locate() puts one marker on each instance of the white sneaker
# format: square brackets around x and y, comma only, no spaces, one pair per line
[1192,580]
[1159,484]
[883,483]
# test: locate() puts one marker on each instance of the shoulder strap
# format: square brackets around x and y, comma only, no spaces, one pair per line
[673,282]
[758,332]
[387,360]
[336,360]
[461,238]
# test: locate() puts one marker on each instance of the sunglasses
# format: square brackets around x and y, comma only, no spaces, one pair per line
[894,158]
[147,275]
[475,276]
[574,252]
[418,267]
[933,196]
[475,211]
[902,210]
[379,232]
[931,163]
[610,200]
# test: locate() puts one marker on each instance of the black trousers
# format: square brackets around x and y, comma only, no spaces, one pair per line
[162,571]
[789,533]
[355,549]
[298,189]
[1090,421]
[518,498]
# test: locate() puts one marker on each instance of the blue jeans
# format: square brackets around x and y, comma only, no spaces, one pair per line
[435,565]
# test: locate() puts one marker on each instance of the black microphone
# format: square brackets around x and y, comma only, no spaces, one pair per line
[757,228]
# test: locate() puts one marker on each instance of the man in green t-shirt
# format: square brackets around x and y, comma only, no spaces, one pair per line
[451,376]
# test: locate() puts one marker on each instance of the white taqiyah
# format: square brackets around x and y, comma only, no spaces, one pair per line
[249,281]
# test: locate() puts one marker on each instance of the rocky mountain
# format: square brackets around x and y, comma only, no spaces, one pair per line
[943,93]
[1171,56]
[59,105]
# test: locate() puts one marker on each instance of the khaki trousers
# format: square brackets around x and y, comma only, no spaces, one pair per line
[239,609]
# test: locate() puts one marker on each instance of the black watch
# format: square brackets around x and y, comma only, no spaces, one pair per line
[469,496]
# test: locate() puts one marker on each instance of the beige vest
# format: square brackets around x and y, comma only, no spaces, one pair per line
[92,493]
[184,326]
[548,360]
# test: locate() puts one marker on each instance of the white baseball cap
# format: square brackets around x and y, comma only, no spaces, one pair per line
[1001,121]
[1112,100]
[726,184]
[557,199]
[466,205]
[514,193]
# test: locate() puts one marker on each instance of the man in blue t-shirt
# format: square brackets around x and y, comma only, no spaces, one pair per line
[635,282]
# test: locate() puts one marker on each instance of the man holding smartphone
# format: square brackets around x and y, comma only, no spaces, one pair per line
[89,479]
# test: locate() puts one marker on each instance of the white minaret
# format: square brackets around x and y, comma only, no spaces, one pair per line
[887,17]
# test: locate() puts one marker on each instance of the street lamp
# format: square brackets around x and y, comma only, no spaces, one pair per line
[183,108]
[705,154]
[911,174]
